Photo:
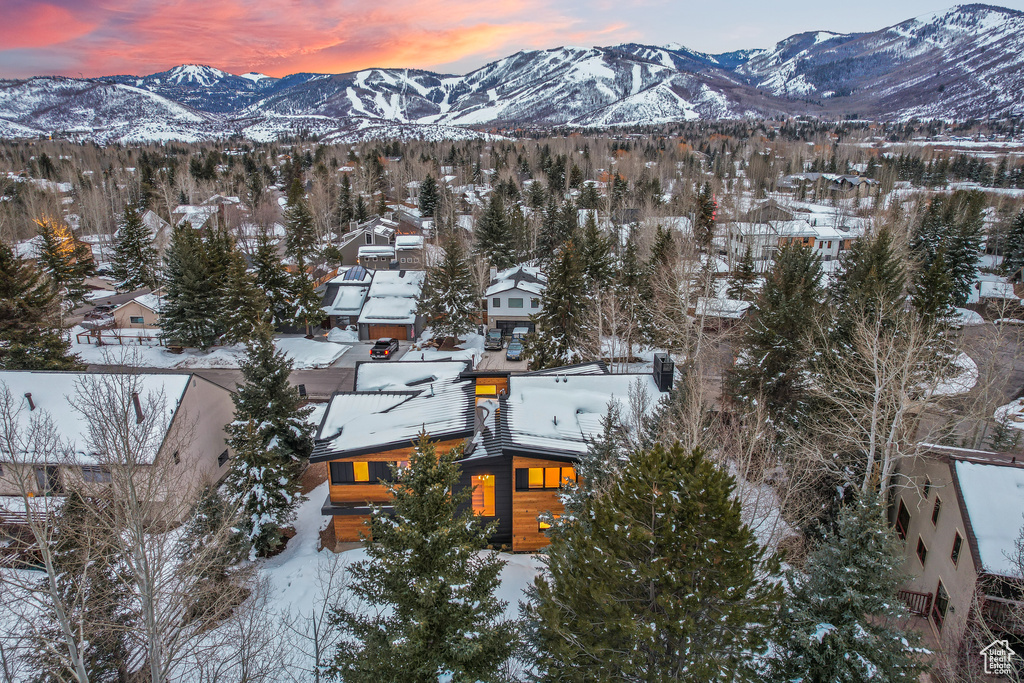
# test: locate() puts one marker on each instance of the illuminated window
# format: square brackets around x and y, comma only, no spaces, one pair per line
[543,477]
[486,390]
[542,525]
[483,494]
[361,471]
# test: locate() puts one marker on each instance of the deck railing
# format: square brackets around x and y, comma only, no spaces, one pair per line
[917,603]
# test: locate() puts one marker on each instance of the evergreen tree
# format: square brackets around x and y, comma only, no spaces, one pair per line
[66,260]
[841,622]
[635,293]
[244,303]
[272,280]
[94,592]
[362,214]
[704,220]
[428,196]
[564,325]
[1013,253]
[651,575]
[135,257]
[272,442]
[771,361]
[953,224]
[188,318]
[300,235]
[493,237]
[346,211]
[431,590]
[932,292]
[741,284]
[596,253]
[448,300]
[31,336]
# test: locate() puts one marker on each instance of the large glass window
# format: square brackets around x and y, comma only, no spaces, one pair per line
[515,303]
[483,494]
[361,471]
[496,302]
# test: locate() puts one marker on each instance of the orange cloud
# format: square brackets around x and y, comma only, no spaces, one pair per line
[35,25]
[279,37]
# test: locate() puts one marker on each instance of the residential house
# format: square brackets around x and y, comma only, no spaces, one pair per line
[218,209]
[833,183]
[159,229]
[521,436]
[390,307]
[376,257]
[959,514]
[409,252]
[192,445]
[345,295]
[513,295]
[142,312]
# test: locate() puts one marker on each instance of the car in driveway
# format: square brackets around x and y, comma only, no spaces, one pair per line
[514,351]
[384,348]
[495,340]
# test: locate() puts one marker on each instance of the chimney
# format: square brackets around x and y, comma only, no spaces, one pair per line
[352,225]
[31,403]
[139,417]
[664,371]
[494,273]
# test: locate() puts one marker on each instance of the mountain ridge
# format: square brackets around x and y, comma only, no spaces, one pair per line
[963,62]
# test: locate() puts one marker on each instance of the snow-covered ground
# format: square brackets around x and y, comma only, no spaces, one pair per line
[967,318]
[305,354]
[960,383]
[471,349]
[1012,414]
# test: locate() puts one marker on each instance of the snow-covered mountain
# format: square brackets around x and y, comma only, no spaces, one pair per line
[965,62]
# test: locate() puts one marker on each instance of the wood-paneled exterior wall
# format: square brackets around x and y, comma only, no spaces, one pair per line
[527,505]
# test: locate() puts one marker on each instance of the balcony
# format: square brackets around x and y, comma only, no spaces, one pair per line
[1003,615]
[917,603]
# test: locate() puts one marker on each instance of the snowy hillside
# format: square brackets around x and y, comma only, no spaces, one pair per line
[962,63]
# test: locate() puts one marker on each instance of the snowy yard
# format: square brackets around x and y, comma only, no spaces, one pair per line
[305,354]
[470,349]
[964,379]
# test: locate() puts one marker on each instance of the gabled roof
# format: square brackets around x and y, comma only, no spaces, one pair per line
[990,490]
[526,278]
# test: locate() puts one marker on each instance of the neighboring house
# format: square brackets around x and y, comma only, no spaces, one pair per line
[847,185]
[142,312]
[376,257]
[724,311]
[409,252]
[159,229]
[227,211]
[379,231]
[521,434]
[959,514]
[764,239]
[192,447]
[390,307]
[513,295]
[345,295]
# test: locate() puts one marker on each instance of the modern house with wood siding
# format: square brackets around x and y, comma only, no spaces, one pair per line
[520,435]
[959,515]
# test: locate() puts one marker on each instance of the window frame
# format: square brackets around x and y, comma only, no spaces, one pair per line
[936,510]
[902,527]
[922,550]
[958,544]
[137,320]
[938,614]
[495,302]
[485,485]
[541,479]
[96,474]
[223,458]
[515,302]
[534,302]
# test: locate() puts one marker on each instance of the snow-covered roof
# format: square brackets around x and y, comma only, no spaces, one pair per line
[996,290]
[345,298]
[393,403]
[408,242]
[400,283]
[196,215]
[154,302]
[560,413]
[993,497]
[721,308]
[376,250]
[52,392]
[393,310]
[524,278]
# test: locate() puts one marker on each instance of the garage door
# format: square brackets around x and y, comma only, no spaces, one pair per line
[394,331]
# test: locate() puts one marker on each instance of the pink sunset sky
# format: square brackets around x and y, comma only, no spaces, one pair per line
[278,37]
